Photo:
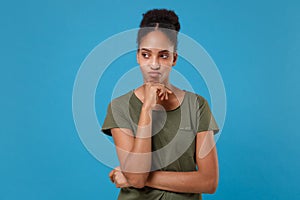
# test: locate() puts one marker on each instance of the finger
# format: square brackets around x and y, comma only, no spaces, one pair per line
[162,97]
[111,172]
[112,179]
[115,178]
[169,91]
[166,96]
[159,91]
[111,175]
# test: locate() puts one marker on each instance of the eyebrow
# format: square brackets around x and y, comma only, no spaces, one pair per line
[162,51]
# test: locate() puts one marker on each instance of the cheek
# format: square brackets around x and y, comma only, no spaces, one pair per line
[142,61]
[166,71]
[143,69]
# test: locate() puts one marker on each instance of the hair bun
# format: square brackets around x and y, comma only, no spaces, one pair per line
[161,16]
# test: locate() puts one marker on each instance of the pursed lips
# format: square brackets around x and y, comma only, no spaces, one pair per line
[154,73]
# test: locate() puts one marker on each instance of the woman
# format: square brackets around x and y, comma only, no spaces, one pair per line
[163,135]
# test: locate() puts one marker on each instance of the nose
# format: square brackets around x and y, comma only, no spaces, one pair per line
[154,63]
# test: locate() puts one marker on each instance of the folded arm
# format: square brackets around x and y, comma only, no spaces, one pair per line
[204,180]
[134,153]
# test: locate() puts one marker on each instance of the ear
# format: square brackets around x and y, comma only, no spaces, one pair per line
[175,56]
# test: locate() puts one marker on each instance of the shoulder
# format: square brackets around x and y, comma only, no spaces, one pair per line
[122,99]
[195,98]
[120,103]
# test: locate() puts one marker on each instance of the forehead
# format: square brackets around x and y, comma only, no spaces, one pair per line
[156,40]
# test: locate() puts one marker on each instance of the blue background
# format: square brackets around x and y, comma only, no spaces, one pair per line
[255,45]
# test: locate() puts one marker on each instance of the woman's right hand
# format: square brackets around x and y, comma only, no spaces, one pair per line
[153,91]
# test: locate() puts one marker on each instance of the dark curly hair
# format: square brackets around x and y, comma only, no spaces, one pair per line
[160,19]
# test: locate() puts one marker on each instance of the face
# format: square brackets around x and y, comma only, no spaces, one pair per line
[156,57]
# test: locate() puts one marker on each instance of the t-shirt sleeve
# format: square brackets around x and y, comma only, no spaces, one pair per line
[115,118]
[205,118]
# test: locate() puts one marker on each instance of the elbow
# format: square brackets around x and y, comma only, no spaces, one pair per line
[137,181]
[212,186]
[212,189]
[138,184]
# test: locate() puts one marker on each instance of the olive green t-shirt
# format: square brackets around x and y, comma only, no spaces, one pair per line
[173,138]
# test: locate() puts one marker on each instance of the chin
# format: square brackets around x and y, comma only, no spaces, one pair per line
[153,80]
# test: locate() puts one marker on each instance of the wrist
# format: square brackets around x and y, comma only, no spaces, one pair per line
[146,108]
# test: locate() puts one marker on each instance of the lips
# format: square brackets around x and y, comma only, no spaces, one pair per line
[154,74]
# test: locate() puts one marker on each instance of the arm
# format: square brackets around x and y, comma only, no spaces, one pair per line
[134,153]
[205,180]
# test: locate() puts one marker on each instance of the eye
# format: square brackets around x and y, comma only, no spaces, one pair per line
[145,55]
[164,56]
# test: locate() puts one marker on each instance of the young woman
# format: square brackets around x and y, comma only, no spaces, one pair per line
[163,135]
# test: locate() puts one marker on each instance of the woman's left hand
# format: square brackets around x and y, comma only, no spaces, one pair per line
[117,177]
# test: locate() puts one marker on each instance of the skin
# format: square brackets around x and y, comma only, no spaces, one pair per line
[156,58]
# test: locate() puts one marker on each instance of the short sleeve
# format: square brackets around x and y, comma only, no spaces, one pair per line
[205,118]
[115,118]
